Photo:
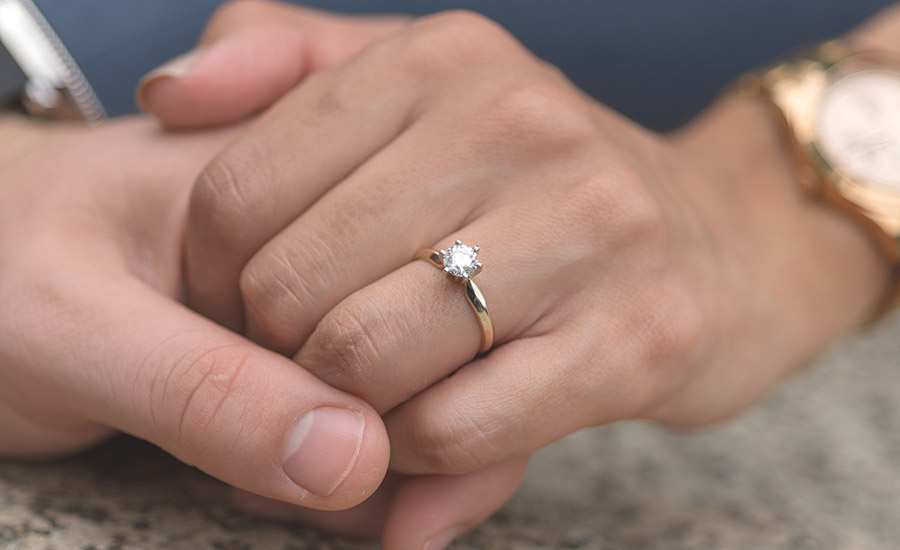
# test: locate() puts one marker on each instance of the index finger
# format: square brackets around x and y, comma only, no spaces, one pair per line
[315,137]
[250,55]
[323,131]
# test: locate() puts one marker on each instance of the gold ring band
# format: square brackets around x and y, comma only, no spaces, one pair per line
[473,296]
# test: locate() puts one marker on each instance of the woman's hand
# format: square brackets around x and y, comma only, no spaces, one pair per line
[629,275]
[92,339]
[250,54]
[253,50]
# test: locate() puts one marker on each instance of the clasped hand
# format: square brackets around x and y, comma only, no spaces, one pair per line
[613,288]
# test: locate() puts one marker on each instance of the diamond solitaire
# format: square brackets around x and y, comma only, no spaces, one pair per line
[461,261]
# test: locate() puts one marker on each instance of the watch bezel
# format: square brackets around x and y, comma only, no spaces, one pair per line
[800,89]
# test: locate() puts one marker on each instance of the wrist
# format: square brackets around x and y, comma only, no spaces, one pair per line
[879,34]
[805,261]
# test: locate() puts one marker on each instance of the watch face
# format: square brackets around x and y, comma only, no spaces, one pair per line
[859,127]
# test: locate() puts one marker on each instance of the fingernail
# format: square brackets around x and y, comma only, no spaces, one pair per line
[176,68]
[443,539]
[322,449]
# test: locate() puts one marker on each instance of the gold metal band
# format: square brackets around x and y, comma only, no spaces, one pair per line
[473,296]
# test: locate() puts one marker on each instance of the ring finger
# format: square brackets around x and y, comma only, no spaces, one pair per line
[399,335]
[355,234]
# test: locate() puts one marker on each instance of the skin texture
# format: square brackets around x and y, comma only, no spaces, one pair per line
[630,275]
[668,289]
[277,45]
[636,241]
[92,340]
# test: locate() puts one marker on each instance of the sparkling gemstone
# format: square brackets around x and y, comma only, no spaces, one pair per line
[460,260]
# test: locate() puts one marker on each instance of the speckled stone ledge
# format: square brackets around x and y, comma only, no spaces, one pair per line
[814,467]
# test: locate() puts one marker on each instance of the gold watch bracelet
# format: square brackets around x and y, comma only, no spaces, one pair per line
[814,184]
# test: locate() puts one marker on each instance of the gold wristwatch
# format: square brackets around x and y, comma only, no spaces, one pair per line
[840,113]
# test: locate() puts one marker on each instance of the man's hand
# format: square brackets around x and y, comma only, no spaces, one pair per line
[92,339]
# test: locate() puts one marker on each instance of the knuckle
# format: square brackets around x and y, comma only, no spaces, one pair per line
[662,336]
[347,345]
[553,118]
[448,42]
[274,293]
[631,216]
[462,24]
[451,445]
[236,13]
[339,90]
[222,200]
[670,325]
[191,402]
[615,212]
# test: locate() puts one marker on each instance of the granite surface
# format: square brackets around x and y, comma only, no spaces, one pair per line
[816,466]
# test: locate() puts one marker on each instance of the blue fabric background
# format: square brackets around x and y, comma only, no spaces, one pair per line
[657,61]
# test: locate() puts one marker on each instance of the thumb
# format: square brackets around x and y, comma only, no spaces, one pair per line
[252,52]
[245,415]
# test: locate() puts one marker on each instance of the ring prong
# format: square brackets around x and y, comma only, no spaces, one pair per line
[476,248]
[462,269]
